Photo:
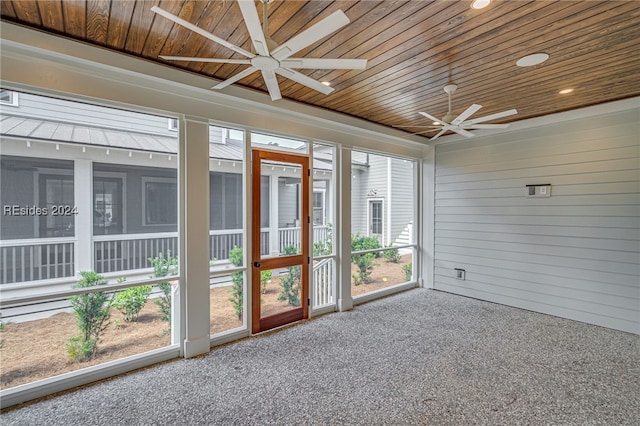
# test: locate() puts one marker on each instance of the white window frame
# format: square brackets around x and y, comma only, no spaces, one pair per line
[114,175]
[369,233]
[324,206]
[13,98]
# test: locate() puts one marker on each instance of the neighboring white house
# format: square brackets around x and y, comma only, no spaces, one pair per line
[102,184]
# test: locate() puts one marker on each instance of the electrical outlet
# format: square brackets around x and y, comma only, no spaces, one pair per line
[460,273]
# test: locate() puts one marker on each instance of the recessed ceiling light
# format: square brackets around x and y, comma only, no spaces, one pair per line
[479,4]
[326,83]
[531,60]
[565,91]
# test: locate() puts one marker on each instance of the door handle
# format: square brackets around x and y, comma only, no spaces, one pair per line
[256,264]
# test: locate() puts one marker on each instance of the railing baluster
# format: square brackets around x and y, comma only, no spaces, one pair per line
[31,263]
[103,258]
[64,260]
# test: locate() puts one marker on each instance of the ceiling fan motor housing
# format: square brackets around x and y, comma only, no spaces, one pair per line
[450,88]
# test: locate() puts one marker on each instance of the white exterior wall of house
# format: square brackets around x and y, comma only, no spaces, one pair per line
[401,174]
[575,254]
[358,206]
[369,183]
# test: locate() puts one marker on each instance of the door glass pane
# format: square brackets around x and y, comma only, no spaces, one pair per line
[279,290]
[283,237]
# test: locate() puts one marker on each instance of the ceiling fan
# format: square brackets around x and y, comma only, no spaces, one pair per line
[459,124]
[270,58]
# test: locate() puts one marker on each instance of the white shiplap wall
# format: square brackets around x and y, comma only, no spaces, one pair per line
[575,254]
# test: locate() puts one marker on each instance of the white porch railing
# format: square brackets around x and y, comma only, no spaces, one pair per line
[50,258]
[127,252]
[291,236]
[36,259]
[323,285]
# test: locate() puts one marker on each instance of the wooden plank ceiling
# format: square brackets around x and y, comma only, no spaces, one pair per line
[413,49]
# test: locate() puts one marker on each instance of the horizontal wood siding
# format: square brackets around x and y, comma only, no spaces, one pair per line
[575,254]
[372,180]
[358,202]
[402,196]
[286,203]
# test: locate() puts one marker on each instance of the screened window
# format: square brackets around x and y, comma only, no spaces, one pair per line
[160,206]
[107,206]
[225,201]
[318,208]
[56,195]
[383,194]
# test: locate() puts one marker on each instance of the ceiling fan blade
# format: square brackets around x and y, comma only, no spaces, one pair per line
[200,31]
[324,63]
[214,60]
[231,80]
[438,135]
[493,116]
[421,127]
[484,126]
[466,114]
[318,31]
[304,80]
[462,132]
[422,132]
[431,117]
[251,20]
[272,84]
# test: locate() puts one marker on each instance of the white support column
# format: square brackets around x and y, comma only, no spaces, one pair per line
[83,200]
[343,233]
[388,212]
[274,235]
[194,234]
[427,221]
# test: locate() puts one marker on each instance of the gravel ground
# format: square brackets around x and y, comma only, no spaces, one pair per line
[420,357]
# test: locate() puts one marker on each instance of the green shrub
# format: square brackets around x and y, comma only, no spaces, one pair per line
[363,261]
[290,283]
[131,301]
[360,242]
[365,265]
[79,349]
[92,314]
[265,277]
[407,271]
[163,267]
[391,255]
[237,279]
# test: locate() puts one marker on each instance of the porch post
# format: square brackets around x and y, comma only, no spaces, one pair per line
[343,252]
[83,199]
[194,234]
